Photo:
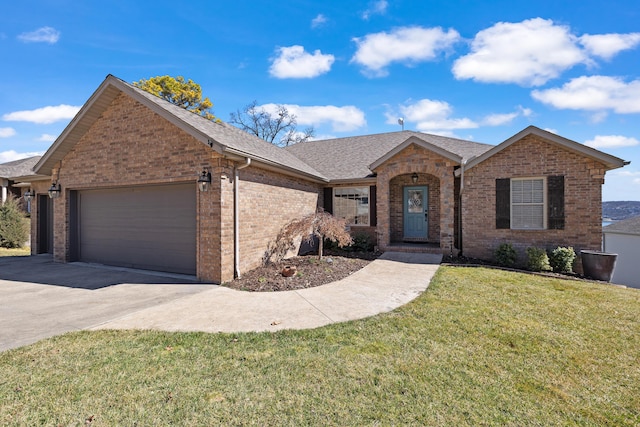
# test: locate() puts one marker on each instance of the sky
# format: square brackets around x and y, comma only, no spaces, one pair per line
[480,71]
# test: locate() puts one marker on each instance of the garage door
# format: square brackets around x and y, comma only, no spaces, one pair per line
[152,228]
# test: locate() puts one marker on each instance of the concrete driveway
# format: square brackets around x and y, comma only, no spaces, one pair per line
[40,298]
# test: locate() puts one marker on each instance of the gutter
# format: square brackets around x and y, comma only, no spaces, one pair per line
[236,216]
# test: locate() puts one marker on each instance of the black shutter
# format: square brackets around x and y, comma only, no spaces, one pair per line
[555,199]
[373,211]
[328,200]
[503,203]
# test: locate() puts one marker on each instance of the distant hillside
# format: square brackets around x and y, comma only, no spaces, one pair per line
[620,210]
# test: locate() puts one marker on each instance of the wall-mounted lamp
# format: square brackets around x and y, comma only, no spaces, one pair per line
[55,190]
[204,181]
[27,196]
[414,178]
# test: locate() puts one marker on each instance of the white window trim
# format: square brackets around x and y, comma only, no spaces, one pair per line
[333,194]
[544,202]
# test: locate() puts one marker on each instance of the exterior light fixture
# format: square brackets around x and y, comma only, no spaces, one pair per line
[204,181]
[55,190]
[27,196]
[414,178]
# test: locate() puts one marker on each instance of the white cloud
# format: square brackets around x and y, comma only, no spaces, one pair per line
[634,176]
[552,130]
[505,118]
[378,7]
[41,35]
[341,119]
[7,132]
[499,119]
[594,93]
[318,21]
[611,141]
[47,137]
[608,45]
[431,116]
[294,62]
[407,45]
[44,115]
[11,155]
[530,52]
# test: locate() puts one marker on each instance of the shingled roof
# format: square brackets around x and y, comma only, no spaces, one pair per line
[350,158]
[222,137]
[18,168]
[627,226]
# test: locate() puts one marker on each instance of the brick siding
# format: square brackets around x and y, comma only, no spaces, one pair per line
[433,170]
[533,157]
[130,145]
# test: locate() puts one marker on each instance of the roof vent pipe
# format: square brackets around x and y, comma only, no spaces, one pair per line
[236,216]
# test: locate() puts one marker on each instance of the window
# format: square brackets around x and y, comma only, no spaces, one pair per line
[528,204]
[352,204]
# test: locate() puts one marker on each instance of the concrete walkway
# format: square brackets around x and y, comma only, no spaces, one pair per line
[392,280]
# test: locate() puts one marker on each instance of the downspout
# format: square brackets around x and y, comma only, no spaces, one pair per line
[462,165]
[236,216]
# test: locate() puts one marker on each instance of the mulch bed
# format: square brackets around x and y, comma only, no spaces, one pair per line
[309,272]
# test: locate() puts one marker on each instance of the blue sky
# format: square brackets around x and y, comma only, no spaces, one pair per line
[475,70]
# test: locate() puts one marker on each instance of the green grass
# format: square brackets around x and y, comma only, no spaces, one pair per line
[480,347]
[24,251]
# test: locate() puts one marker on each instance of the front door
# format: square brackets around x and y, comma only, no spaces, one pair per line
[416,219]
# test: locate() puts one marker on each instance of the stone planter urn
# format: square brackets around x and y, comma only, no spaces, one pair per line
[598,265]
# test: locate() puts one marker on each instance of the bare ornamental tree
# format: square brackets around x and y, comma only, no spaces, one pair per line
[279,128]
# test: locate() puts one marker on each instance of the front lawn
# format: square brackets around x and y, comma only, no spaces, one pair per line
[24,251]
[479,347]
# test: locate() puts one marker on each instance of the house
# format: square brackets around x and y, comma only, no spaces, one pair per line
[11,175]
[125,170]
[623,238]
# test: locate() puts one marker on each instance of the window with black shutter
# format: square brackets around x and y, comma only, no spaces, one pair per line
[520,203]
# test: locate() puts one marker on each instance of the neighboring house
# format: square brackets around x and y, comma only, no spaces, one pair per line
[623,238]
[12,176]
[127,166]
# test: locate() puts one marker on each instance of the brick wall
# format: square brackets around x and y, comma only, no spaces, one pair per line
[130,145]
[431,167]
[268,201]
[533,157]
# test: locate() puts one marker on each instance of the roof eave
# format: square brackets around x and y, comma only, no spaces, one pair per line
[420,142]
[271,165]
[110,87]
[608,160]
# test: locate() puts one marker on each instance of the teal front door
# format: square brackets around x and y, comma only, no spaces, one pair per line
[416,218]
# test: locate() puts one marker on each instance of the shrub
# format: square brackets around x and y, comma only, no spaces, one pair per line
[537,259]
[13,233]
[361,243]
[320,224]
[561,259]
[505,255]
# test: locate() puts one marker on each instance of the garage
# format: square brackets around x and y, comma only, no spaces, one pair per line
[151,227]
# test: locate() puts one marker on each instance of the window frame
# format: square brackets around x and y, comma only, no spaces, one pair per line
[336,206]
[545,204]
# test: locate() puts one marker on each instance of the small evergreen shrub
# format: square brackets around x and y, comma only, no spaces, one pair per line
[361,243]
[562,258]
[13,233]
[537,259]
[505,255]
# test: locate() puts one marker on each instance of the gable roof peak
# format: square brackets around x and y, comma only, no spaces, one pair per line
[220,136]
